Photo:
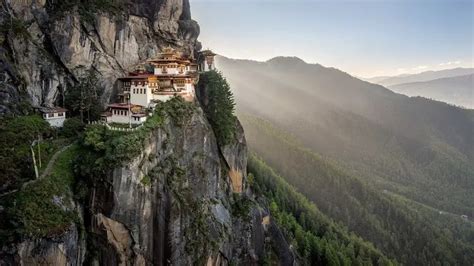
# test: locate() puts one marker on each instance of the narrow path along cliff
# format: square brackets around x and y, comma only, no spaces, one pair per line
[46,172]
[48,169]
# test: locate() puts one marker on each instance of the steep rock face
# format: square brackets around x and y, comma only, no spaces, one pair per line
[47,52]
[175,204]
[63,248]
[67,249]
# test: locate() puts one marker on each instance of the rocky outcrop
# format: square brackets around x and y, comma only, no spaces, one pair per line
[45,51]
[184,199]
[65,249]
[176,203]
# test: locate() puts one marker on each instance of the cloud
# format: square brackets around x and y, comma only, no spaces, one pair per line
[420,67]
[450,63]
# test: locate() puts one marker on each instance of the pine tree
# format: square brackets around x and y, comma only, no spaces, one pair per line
[84,98]
[219,105]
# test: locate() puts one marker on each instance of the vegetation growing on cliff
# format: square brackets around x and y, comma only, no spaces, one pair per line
[318,240]
[16,136]
[42,207]
[87,9]
[15,28]
[218,104]
[106,148]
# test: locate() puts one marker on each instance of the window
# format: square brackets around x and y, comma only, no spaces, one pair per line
[144,90]
[51,115]
[60,114]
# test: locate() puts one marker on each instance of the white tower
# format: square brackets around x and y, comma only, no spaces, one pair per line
[206,60]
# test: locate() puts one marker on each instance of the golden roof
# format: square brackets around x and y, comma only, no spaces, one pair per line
[169,50]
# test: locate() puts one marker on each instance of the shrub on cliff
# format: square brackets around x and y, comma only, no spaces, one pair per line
[218,105]
[72,127]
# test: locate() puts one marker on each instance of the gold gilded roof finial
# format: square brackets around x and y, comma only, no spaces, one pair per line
[169,50]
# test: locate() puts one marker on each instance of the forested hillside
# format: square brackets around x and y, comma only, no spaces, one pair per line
[415,147]
[397,171]
[411,233]
[316,238]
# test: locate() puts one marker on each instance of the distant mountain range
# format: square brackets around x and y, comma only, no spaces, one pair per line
[458,90]
[454,86]
[423,76]
[384,164]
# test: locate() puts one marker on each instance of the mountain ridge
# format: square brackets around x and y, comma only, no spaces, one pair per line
[457,90]
[422,76]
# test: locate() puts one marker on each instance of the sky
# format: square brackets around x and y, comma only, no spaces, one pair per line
[364,38]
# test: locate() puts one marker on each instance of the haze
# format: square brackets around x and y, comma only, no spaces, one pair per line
[364,38]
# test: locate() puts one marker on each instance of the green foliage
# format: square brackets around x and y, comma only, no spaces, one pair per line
[95,137]
[177,109]
[146,180]
[16,136]
[84,98]
[218,105]
[87,9]
[48,147]
[105,149]
[42,208]
[197,234]
[72,127]
[318,240]
[15,27]
[241,206]
[196,230]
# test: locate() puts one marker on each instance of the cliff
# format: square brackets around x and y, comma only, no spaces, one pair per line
[46,45]
[174,203]
[164,194]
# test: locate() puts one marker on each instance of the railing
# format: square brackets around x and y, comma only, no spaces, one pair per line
[115,128]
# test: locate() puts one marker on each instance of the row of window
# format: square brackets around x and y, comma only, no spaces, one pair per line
[144,83]
[52,115]
[120,112]
[139,91]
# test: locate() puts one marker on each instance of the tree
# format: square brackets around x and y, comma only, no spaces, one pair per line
[72,127]
[218,103]
[16,136]
[84,98]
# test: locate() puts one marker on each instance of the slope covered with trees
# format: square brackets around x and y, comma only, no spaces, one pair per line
[409,232]
[317,239]
[415,147]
